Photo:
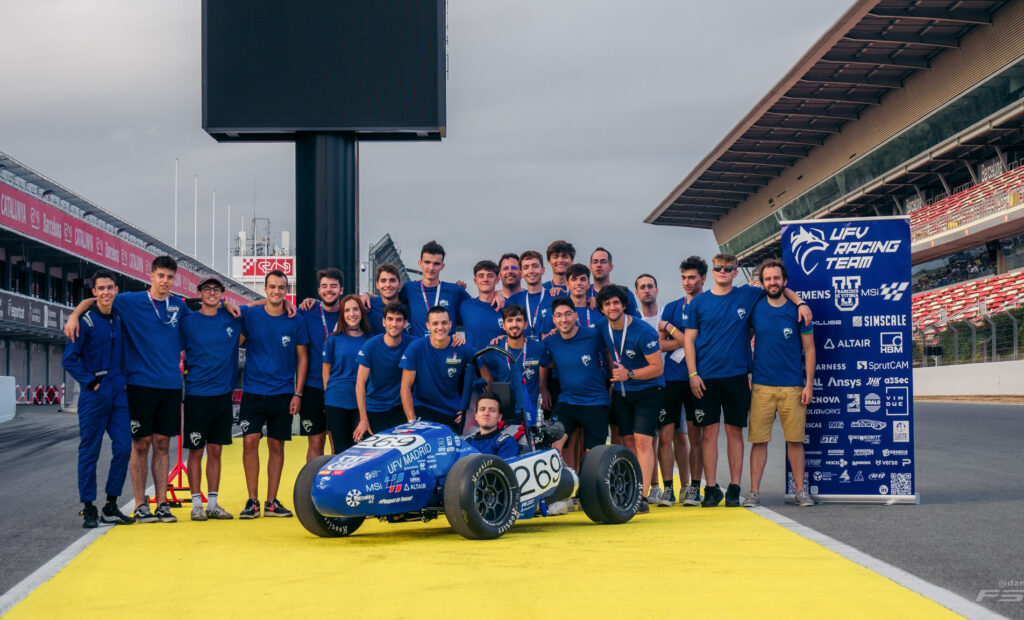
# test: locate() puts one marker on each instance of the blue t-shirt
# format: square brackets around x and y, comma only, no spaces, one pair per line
[778,350]
[211,352]
[438,374]
[673,314]
[538,310]
[384,385]
[631,306]
[319,325]
[496,443]
[580,366]
[584,315]
[152,344]
[270,357]
[421,298]
[529,367]
[375,315]
[640,340]
[481,322]
[342,353]
[723,343]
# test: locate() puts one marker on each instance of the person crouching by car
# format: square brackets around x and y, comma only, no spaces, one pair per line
[490,440]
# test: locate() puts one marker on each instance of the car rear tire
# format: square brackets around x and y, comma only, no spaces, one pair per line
[305,510]
[610,484]
[481,497]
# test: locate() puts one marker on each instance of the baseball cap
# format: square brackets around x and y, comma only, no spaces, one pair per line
[209,280]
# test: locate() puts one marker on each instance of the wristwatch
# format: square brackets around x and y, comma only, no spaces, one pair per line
[631,375]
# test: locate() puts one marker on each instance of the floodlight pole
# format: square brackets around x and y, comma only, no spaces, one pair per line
[326,208]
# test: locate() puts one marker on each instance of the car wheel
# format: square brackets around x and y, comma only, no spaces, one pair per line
[481,497]
[305,510]
[610,483]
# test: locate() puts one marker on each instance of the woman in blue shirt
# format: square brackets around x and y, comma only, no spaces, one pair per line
[341,352]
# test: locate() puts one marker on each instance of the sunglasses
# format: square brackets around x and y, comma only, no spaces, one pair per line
[725,268]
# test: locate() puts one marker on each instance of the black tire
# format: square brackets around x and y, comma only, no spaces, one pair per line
[481,497]
[610,484]
[313,521]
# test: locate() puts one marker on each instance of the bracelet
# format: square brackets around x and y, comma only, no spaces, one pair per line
[671,329]
[802,303]
[693,374]
[297,395]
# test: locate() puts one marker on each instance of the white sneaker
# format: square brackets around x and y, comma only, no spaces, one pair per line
[198,514]
[559,508]
[654,496]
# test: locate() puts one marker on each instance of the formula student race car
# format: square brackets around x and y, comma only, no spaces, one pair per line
[419,470]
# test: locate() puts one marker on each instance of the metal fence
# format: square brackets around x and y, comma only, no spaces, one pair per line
[995,337]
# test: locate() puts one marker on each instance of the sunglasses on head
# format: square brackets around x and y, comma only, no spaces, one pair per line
[725,268]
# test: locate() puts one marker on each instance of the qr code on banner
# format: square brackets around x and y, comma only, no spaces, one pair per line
[900,484]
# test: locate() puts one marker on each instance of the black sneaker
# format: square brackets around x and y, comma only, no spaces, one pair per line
[113,515]
[732,495]
[89,517]
[163,513]
[143,515]
[251,510]
[275,509]
[712,496]
[644,506]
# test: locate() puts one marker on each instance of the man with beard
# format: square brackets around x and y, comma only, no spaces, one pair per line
[526,354]
[510,273]
[601,268]
[780,383]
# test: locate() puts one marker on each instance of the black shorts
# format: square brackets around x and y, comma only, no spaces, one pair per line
[384,420]
[208,419]
[311,413]
[428,414]
[729,396]
[341,424]
[554,389]
[257,410]
[637,412]
[678,405]
[154,411]
[593,419]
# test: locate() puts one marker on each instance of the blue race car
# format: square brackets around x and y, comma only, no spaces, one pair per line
[419,470]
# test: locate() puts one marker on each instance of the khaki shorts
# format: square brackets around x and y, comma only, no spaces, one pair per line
[765,400]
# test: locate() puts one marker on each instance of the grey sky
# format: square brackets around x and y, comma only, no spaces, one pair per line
[567,119]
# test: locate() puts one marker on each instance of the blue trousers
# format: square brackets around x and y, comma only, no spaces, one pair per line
[99,411]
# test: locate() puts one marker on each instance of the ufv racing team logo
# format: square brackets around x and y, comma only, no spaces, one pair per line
[285,340]
[805,242]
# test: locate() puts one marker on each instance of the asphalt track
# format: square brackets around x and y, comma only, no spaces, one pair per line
[732,562]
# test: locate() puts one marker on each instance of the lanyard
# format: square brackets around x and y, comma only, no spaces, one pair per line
[437,295]
[588,317]
[323,319]
[509,351]
[533,319]
[167,304]
[618,353]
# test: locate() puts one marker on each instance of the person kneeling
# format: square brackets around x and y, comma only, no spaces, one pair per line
[490,440]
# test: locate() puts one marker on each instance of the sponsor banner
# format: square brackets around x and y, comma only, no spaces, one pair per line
[855,276]
[260,266]
[32,312]
[48,224]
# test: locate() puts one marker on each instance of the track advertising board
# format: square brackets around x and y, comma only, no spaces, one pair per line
[855,276]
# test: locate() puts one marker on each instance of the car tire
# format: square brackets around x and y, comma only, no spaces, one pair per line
[305,510]
[610,484]
[481,497]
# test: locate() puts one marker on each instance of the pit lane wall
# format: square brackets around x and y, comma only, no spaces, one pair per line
[987,379]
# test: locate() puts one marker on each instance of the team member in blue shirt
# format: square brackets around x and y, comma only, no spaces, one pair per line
[526,353]
[338,372]
[94,360]
[601,268]
[389,283]
[210,339]
[510,274]
[535,299]
[481,322]
[578,353]
[320,321]
[637,383]
[490,440]
[276,358]
[781,383]
[679,399]
[717,345]
[561,255]
[433,371]
[379,378]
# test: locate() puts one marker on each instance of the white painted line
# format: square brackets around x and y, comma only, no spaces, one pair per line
[940,595]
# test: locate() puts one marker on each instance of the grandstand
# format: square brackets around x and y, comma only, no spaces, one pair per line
[51,240]
[903,107]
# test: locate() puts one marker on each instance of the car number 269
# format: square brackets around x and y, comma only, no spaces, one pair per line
[537,474]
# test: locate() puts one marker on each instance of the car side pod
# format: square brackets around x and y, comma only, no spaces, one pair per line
[610,484]
[309,517]
[481,497]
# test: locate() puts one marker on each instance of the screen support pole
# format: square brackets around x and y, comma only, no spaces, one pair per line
[326,209]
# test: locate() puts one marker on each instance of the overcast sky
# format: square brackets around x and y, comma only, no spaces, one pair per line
[570,119]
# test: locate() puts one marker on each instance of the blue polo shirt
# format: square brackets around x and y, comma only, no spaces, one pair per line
[211,352]
[778,350]
[579,361]
[152,344]
[723,343]
[481,322]
[270,357]
[319,324]
[673,314]
[384,385]
[438,374]
[421,298]
[631,348]
[342,353]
